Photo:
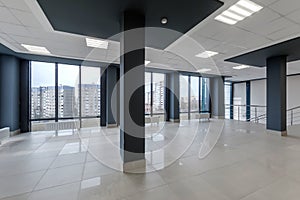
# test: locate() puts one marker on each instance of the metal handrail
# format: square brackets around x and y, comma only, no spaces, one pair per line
[243,105]
[291,114]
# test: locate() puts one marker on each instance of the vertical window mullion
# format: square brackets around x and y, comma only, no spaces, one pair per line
[189,97]
[199,95]
[151,93]
[79,99]
[56,92]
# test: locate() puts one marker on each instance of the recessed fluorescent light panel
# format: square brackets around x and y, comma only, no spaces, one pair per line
[238,12]
[203,70]
[95,43]
[206,54]
[147,62]
[36,49]
[241,67]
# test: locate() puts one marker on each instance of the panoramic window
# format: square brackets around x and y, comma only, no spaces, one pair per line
[148,101]
[90,96]
[227,98]
[155,94]
[42,90]
[205,96]
[184,94]
[65,94]
[194,96]
[68,91]
[158,93]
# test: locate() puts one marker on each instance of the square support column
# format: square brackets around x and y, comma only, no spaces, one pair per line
[172,91]
[216,92]
[276,94]
[248,101]
[132,89]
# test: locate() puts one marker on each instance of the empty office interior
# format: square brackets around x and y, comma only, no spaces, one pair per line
[133,100]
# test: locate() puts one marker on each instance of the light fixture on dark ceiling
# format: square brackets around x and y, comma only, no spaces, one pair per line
[164,20]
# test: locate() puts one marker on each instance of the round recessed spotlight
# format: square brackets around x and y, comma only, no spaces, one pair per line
[164,20]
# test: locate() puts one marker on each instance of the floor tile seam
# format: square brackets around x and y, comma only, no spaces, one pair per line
[262,187]
[44,174]
[17,195]
[54,186]
[82,175]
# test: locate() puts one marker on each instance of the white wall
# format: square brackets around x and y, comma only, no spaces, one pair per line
[259,96]
[293,91]
[239,98]
[239,94]
[259,92]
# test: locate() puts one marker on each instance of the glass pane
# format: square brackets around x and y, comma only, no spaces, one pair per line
[148,93]
[68,91]
[90,91]
[227,94]
[184,85]
[204,94]
[42,90]
[194,94]
[158,93]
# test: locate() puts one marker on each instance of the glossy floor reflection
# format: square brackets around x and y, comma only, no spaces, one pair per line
[247,163]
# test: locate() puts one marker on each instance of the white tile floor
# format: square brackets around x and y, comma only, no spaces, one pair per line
[247,163]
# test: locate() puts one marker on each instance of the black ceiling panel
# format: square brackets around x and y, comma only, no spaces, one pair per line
[101,18]
[45,58]
[289,48]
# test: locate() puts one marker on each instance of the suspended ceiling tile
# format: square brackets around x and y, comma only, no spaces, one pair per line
[258,20]
[7,17]
[16,4]
[294,16]
[14,29]
[285,6]
[26,18]
[266,2]
[285,32]
[272,27]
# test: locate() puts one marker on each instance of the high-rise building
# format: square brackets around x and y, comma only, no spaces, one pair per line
[90,100]
[43,102]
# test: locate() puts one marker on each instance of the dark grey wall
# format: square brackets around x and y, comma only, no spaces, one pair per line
[9,92]
[25,96]
[111,98]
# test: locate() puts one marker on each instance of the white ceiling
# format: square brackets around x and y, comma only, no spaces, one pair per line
[23,22]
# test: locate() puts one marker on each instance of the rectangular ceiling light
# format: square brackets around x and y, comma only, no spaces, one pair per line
[241,67]
[147,62]
[206,54]
[203,70]
[35,49]
[225,19]
[249,5]
[232,15]
[238,12]
[96,43]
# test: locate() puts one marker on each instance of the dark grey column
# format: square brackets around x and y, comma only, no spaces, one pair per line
[10,93]
[132,89]
[231,100]
[25,96]
[173,113]
[276,94]
[248,100]
[103,100]
[217,97]
[111,96]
